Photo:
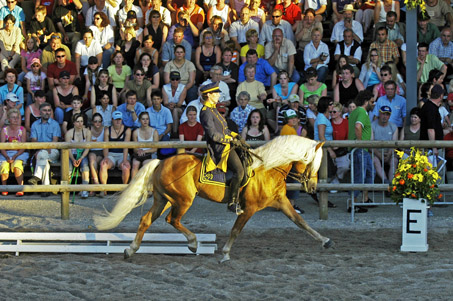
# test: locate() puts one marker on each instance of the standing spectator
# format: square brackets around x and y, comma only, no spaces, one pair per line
[104,35]
[10,39]
[427,62]
[348,87]
[426,30]
[430,124]
[240,27]
[442,47]
[15,11]
[291,12]
[388,50]
[169,48]
[396,103]
[340,132]
[44,129]
[13,160]
[191,130]
[316,55]
[360,129]
[131,110]
[276,22]
[280,54]
[412,131]
[66,19]
[240,114]
[319,6]
[347,22]
[116,156]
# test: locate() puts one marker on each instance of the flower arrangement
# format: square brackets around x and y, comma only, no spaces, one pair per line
[413,4]
[415,178]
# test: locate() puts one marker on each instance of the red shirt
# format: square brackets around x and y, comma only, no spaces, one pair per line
[54,72]
[291,14]
[191,133]
[340,131]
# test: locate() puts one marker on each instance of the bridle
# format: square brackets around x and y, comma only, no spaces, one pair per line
[302,178]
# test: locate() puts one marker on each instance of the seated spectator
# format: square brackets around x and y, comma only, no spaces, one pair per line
[191,31]
[116,157]
[215,75]
[191,130]
[32,112]
[157,30]
[123,14]
[388,50]
[11,102]
[351,49]
[236,55]
[303,32]
[10,39]
[148,49]
[316,55]
[383,130]
[96,154]
[104,35]
[252,43]
[386,75]
[312,86]
[102,85]
[396,103]
[197,104]
[254,88]
[105,109]
[347,22]
[11,8]
[255,129]
[264,71]
[66,19]
[371,71]
[63,95]
[128,45]
[365,14]
[348,87]
[383,7]
[340,132]
[139,85]
[282,90]
[34,80]
[90,74]
[221,10]
[396,29]
[76,108]
[280,54]
[195,13]
[206,56]
[61,64]
[294,104]
[218,31]
[156,5]
[78,158]
[276,22]
[151,71]
[44,129]
[426,31]
[291,12]
[319,6]
[186,69]
[100,5]
[240,114]
[160,119]
[119,72]
[336,76]
[144,133]
[257,13]
[427,62]
[13,160]
[440,11]
[239,28]
[130,110]
[230,74]
[12,88]
[398,78]
[27,55]
[442,47]
[169,48]
[412,131]
[49,54]
[131,21]
[173,96]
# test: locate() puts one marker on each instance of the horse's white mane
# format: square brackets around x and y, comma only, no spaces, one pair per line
[285,149]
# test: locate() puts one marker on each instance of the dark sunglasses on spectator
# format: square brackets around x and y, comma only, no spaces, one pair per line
[333,112]
[174,79]
[60,56]
[384,74]
[139,74]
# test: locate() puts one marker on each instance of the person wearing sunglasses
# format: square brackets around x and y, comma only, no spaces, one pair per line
[276,21]
[49,55]
[17,12]
[139,85]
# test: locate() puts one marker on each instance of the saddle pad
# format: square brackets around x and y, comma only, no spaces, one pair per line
[216,177]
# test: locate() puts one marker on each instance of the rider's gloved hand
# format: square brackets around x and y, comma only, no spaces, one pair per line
[236,142]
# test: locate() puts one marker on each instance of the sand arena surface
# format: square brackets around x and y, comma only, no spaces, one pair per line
[271,260]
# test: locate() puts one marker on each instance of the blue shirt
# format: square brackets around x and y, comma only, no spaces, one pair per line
[398,106]
[322,119]
[168,50]
[17,12]
[159,119]
[263,72]
[127,116]
[240,115]
[18,90]
[45,132]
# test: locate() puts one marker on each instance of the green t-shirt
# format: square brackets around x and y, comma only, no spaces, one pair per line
[359,115]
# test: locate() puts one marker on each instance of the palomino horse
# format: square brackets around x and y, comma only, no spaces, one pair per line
[175,183]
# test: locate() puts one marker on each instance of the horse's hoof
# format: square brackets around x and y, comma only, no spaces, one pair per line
[225,258]
[127,253]
[193,249]
[328,244]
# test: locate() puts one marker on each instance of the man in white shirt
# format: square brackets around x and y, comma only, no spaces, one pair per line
[240,27]
[316,55]
[347,22]
[351,49]
[100,5]
[276,22]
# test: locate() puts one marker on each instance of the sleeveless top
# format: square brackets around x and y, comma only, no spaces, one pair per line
[278,90]
[98,93]
[157,35]
[33,117]
[255,138]
[121,137]
[308,93]
[100,138]
[173,98]
[17,138]
[140,139]
[349,93]
[383,13]
[207,62]
[221,13]
[67,100]
[409,135]
[74,151]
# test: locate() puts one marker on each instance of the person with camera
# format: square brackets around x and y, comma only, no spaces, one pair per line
[316,55]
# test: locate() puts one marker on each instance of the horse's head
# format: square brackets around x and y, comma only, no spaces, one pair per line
[309,171]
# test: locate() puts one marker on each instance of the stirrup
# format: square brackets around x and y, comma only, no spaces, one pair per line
[238,209]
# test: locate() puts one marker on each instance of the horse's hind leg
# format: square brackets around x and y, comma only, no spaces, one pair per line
[159,206]
[179,208]
[235,231]
[289,211]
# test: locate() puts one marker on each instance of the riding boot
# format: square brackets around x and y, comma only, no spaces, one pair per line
[234,199]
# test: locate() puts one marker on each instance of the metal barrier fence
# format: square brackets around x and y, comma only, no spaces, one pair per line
[323,187]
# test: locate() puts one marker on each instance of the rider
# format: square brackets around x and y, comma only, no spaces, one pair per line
[220,140]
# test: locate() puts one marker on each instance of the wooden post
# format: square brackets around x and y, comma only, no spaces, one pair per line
[64,181]
[323,195]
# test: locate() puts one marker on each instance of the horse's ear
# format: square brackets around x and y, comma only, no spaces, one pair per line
[320,144]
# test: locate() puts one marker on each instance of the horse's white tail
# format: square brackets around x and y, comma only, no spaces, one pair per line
[135,194]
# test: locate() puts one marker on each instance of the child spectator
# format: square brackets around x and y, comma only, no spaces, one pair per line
[105,109]
[35,80]
[28,54]
[76,106]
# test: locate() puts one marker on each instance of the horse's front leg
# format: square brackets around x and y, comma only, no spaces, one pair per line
[235,231]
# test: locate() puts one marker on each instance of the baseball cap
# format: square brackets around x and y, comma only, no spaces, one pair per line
[117,115]
[131,14]
[293,98]
[175,75]
[64,73]
[290,114]
[385,109]
[12,97]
